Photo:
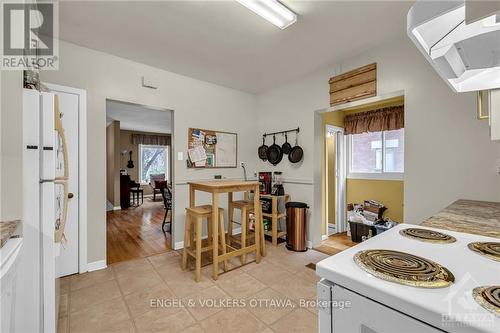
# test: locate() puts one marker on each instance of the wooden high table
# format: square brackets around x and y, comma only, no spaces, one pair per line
[228,186]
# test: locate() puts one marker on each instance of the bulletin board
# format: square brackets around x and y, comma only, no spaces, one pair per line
[212,149]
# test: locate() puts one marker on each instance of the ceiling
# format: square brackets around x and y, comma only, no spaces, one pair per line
[135,117]
[225,43]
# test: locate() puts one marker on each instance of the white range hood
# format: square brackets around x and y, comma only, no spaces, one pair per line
[465,52]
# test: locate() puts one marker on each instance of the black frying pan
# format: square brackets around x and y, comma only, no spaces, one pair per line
[296,154]
[263,149]
[274,153]
[286,147]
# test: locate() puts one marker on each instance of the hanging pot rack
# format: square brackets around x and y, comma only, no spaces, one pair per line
[296,130]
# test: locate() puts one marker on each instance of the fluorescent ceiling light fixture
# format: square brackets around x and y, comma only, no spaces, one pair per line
[271,10]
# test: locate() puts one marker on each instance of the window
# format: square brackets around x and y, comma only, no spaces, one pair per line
[377,154]
[153,160]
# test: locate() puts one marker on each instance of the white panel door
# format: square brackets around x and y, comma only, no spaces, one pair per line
[340,182]
[68,261]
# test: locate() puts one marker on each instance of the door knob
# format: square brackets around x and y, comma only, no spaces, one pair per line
[70,195]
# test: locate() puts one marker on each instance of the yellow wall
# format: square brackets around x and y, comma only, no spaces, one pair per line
[330,146]
[334,119]
[112,163]
[389,192]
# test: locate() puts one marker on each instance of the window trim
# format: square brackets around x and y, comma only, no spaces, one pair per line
[167,162]
[382,175]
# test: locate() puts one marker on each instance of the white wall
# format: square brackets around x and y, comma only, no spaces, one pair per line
[448,153]
[195,104]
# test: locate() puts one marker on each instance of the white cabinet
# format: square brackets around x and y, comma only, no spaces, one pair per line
[494,111]
[9,266]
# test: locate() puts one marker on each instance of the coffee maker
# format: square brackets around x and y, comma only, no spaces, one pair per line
[278,188]
[265,180]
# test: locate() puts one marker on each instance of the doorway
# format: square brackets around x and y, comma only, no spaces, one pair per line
[138,180]
[388,189]
[72,256]
[335,178]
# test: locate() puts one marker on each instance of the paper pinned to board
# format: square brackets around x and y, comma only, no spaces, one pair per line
[197,154]
[225,151]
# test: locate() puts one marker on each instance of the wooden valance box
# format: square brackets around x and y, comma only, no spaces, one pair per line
[356,84]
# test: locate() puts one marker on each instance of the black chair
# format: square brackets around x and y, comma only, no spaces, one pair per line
[167,202]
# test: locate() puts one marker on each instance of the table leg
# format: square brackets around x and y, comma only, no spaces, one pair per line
[262,239]
[222,238]
[192,201]
[274,221]
[244,221]
[215,232]
[258,223]
[229,217]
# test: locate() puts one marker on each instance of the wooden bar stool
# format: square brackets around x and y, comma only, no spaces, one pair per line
[193,236]
[246,207]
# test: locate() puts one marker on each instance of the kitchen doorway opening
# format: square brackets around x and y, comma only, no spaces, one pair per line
[355,168]
[139,178]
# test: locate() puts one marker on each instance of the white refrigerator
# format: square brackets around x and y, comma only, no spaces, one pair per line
[44,211]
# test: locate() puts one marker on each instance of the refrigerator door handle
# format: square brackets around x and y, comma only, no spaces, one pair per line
[60,130]
[59,232]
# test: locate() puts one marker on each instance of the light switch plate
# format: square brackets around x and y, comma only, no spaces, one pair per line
[180,156]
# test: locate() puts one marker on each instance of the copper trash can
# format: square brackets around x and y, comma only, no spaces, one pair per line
[296,215]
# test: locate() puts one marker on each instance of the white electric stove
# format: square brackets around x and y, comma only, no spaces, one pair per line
[350,299]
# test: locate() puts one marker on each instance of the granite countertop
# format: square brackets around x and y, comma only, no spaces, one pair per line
[473,217]
[7,228]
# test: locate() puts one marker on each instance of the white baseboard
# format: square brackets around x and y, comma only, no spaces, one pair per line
[96,265]
[180,245]
[117,208]
[324,237]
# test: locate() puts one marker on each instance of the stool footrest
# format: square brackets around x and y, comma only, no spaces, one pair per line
[192,252]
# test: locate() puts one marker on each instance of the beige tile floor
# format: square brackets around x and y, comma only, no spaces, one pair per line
[118,298]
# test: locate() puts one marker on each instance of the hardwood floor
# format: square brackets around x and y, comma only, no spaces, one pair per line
[136,232]
[335,244]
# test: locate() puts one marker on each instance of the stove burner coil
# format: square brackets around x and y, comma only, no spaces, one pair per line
[404,268]
[488,249]
[488,297]
[426,235]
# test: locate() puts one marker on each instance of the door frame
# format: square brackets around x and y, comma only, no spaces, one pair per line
[340,187]
[318,150]
[82,172]
[171,156]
